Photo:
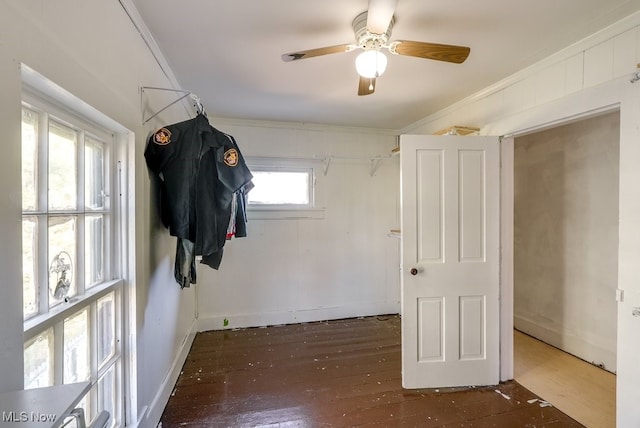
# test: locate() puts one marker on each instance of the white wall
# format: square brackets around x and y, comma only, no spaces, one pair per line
[566,237]
[91,49]
[11,362]
[584,79]
[293,270]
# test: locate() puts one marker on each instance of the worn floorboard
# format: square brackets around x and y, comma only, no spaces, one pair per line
[340,373]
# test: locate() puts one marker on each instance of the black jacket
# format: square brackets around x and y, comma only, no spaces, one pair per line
[200,168]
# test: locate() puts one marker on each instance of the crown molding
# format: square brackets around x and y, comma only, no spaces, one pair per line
[149,40]
[625,24]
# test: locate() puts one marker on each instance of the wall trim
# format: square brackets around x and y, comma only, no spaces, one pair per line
[567,342]
[146,35]
[585,103]
[216,322]
[149,40]
[608,33]
[506,258]
[151,415]
[308,126]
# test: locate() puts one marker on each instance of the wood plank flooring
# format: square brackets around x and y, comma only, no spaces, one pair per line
[340,373]
[581,390]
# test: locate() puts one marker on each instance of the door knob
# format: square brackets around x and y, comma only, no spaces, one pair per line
[413,271]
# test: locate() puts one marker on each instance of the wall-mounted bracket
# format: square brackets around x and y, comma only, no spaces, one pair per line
[327,163]
[197,104]
[636,75]
[375,163]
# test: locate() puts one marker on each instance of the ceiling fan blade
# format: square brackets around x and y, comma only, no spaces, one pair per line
[294,56]
[379,15]
[448,53]
[366,86]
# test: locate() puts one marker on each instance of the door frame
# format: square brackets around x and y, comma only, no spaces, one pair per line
[507,206]
[506,258]
[507,234]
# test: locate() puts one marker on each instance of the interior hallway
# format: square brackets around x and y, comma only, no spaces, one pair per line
[331,374]
[581,390]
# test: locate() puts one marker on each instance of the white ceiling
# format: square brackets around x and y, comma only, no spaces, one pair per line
[228,53]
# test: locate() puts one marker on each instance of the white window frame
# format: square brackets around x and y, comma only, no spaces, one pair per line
[309,190]
[312,210]
[49,112]
[48,100]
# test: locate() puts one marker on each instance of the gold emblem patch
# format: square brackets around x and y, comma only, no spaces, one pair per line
[162,137]
[231,157]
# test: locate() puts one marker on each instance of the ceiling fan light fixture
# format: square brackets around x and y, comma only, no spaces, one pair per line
[371,64]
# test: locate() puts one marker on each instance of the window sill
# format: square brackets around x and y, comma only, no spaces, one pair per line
[39,323]
[264,213]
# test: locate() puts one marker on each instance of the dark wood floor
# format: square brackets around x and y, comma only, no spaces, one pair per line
[331,374]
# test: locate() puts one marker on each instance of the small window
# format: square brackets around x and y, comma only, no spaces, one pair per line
[281,187]
[285,189]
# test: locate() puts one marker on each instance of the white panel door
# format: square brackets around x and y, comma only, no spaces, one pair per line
[450,189]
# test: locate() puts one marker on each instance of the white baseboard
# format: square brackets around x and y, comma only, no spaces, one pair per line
[155,409]
[217,322]
[572,344]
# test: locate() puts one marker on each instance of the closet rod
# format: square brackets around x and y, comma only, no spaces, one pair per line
[326,160]
[182,91]
[319,158]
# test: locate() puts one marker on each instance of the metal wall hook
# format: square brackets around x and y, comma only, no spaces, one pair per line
[636,75]
[197,103]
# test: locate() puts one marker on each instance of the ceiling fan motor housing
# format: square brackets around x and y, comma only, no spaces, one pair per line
[366,39]
[371,63]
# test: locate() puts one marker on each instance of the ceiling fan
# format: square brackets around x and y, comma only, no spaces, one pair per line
[372,30]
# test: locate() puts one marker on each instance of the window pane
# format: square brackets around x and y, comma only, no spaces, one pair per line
[29,266]
[107,393]
[280,188]
[76,348]
[94,174]
[66,238]
[62,258]
[93,249]
[38,361]
[106,328]
[29,160]
[83,404]
[62,167]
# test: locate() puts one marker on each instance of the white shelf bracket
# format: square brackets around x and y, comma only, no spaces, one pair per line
[327,163]
[375,164]
[636,75]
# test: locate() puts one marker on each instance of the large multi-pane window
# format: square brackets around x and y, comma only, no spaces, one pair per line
[72,291]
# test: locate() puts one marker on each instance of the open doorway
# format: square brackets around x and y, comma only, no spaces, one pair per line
[566,249]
